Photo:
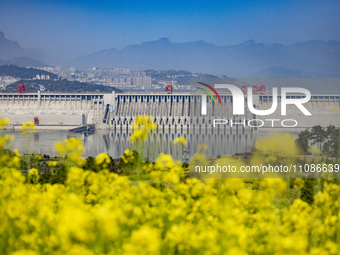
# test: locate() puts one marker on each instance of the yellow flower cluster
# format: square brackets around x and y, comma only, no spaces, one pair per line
[299,183]
[166,169]
[37,157]
[28,124]
[4,122]
[4,140]
[180,140]
[314,150]
[103,158]
[52,163]
[33,174]
[141,127]
[278,144]
[72,148]
[104,213]
[128,157]
[274,149]
[202,147]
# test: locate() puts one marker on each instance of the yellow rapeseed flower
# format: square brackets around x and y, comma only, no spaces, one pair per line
[71,147]
[33,172]
[106,213]
[128,157]
[52,163]
[180,140]
[28,124]
[4,122]
[103,158]
[142,126]
[278,144]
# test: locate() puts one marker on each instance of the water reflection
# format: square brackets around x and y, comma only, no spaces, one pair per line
[219,143]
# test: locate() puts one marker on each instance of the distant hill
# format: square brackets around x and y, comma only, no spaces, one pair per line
[12,53]
[315,57]
[280,72]
[60,85]
[22,62]
[44,57]
[22,72]
[180,77]
[63,86]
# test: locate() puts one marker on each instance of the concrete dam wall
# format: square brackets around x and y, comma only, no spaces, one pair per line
[183,112]
[176,112]
[324,110]
[55,110]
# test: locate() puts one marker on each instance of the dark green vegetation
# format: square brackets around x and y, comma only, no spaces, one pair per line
[63,86]
[22,72]
[58,174]
[326,140]
[181,77]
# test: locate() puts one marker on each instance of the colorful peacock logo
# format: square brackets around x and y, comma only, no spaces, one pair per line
[209,93]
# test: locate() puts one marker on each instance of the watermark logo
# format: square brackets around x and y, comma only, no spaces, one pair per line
[213,90]
[239,98]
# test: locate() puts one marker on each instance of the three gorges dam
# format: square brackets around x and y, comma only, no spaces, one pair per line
[173,112]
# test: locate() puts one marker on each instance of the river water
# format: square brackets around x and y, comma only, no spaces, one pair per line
[115,143]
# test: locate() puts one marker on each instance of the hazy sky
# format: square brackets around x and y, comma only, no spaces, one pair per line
[74,28]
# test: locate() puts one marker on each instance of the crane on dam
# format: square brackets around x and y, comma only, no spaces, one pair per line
[255,89]
[168,89]
[21,88]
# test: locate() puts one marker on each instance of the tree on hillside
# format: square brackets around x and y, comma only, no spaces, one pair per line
[328,139]
[303,139]
[331,146]
[318,135]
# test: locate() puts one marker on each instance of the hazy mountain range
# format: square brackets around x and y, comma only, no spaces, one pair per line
[11,53]
[308,59]
[314,58]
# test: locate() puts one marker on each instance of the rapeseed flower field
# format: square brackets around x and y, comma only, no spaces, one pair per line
[105,213]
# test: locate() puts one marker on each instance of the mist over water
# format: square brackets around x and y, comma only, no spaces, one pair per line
[115,143]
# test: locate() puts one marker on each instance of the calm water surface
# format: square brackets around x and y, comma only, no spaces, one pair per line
[114,143]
